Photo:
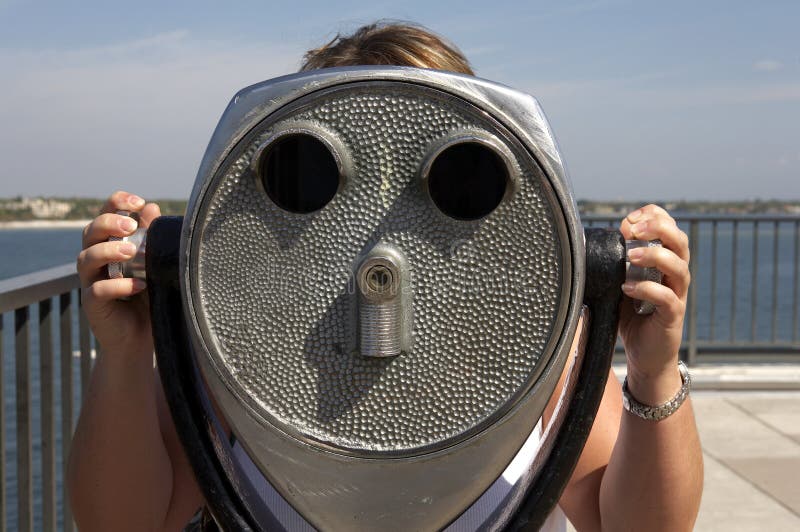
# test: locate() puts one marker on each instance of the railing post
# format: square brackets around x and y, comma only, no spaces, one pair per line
[2,433]
[22,369]
[47,423]
[754,285]
[713,298]
[796,280]
[85,341]
[65,323]
[734,285]
[691,352]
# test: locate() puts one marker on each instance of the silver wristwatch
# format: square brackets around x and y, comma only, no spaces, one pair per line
[656,413]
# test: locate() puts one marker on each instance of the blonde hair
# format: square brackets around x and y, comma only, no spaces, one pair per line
[389,43]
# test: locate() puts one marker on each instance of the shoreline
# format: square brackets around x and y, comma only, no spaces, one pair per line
[44,224]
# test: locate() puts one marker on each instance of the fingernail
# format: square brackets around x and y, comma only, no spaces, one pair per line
[127,248]
[628,287]
[636,253]
[635,215]
[139,285]
[135,201]
[128,224]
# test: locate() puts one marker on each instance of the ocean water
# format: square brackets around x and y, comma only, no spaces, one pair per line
[772,259]
[28,250]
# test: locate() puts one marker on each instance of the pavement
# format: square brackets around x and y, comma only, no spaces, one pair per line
[751,450]
[749,424]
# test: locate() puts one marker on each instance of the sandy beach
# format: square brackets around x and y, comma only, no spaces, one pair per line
[44,224]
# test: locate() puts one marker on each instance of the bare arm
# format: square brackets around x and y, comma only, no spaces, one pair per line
[636,474]
[119,470]
[125,463]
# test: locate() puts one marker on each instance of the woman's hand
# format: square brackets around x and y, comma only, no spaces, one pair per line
[118,325]
[652,342]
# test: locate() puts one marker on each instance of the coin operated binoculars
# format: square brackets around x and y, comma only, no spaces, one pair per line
[370,301]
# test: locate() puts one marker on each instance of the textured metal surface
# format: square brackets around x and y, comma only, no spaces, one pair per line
[275,294]
[357,491]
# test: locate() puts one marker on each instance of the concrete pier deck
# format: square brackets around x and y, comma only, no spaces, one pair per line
[751,448]
[749,427]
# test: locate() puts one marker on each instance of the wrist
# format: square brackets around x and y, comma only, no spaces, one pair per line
[654,388]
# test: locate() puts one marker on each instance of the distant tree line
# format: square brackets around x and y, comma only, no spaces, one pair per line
[19,208]
[16,209]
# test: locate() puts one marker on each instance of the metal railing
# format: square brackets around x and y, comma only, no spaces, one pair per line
[47,321]
[743,301]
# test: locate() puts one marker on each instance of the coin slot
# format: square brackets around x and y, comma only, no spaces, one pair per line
[467,180]
[299,173]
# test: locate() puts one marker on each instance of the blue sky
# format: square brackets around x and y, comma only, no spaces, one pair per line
[649,100]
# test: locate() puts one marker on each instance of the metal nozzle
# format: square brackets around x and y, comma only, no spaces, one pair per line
[380,305]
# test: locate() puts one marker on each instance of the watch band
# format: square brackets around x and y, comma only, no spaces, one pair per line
[658,412]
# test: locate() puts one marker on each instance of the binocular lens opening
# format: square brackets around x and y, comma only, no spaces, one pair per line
[467,181]
[299,173]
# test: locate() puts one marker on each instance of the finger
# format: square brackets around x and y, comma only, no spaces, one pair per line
[640,214]
[106,225]
[111,289]
[650,210]
[122,201]
[150,212]
[93,260]
[667,303]
[661,227]
[675,270]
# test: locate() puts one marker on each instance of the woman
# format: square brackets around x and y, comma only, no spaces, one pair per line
[127,469]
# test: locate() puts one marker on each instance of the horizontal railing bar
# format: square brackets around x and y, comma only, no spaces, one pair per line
[739,347]
[760,347]
[767,358]
[701,217]
[25,290]
[737,357]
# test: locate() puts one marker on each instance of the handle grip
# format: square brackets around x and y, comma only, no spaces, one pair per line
[638,273]
[136,265]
